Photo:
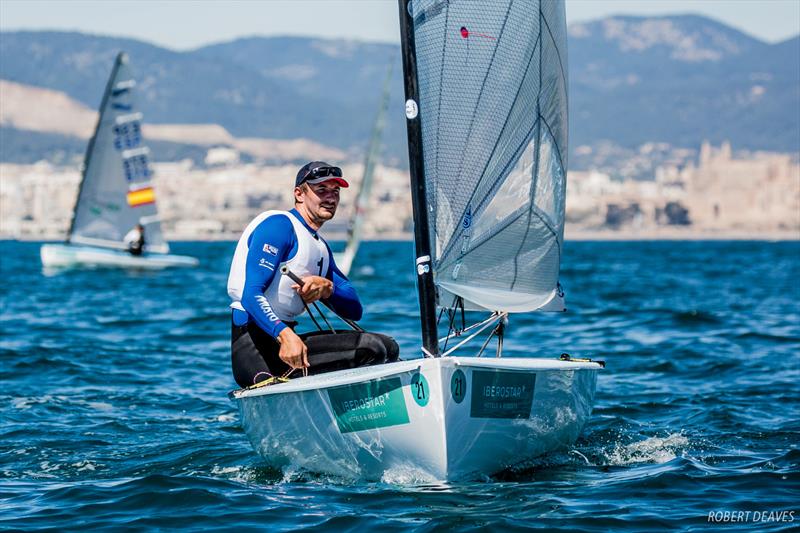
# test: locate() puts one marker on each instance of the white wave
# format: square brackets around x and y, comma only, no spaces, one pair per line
[85,466]
[655,450]
[407,475]
[225,470]
[28,402]
[100,406]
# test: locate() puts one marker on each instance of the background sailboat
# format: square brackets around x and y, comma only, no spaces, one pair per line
[344,260]
[487,115]
[116,190]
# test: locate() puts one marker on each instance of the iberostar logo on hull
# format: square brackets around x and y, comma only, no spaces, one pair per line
[370,405]
[501,394]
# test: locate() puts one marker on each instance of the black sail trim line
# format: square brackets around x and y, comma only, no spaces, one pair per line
[425,286]
[501,176]
[546,220]
[558,55]
[535,180]
[563,171]
[90,147]
[566,87]
[555,142]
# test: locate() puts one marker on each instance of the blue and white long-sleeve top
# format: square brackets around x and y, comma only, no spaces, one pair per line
[260,293]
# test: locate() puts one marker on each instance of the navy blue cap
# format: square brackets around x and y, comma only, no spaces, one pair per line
[319,172]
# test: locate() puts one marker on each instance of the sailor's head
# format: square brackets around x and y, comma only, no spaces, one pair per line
[317,187]
[319,172]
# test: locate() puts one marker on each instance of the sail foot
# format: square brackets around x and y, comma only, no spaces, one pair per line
[511,301]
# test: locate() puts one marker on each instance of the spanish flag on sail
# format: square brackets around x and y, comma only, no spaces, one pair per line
[143,196]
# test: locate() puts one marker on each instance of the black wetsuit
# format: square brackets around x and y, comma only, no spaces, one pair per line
[254,354]
[136,248]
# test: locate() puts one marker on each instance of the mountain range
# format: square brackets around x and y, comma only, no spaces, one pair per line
[677,79]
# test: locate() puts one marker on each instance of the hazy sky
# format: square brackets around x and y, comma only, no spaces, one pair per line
[185,24]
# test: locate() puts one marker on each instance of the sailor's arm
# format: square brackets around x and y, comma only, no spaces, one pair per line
[334,290]
[293,350]
[269,243]
[343,298]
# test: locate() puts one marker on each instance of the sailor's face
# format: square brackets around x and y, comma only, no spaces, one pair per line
[322,199]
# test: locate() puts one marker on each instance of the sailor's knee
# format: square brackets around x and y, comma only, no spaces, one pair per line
[370,349]
[392,348]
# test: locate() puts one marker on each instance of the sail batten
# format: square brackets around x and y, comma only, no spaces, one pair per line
[493,110]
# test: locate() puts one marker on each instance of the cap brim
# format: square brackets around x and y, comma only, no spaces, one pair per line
[339,181]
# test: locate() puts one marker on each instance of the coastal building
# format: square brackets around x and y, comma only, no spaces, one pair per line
[759,190]
[719,193]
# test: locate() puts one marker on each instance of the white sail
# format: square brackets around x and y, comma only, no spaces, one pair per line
[116,191]
[493,109]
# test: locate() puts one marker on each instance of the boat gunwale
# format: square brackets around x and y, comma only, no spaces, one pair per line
[356,375]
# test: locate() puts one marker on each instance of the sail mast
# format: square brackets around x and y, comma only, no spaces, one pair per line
[362,199]
[90,146]
[422,241]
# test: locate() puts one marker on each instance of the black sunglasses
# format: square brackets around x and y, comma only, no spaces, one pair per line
[323,172]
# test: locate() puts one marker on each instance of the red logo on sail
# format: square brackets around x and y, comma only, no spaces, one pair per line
[465,34]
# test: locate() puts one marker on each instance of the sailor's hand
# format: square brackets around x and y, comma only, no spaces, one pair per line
[293,350]
[314,288]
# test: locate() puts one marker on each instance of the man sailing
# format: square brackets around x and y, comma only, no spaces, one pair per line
[134,240]
[266,303]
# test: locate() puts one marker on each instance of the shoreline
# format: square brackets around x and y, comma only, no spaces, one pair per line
[670,234]
[665,234]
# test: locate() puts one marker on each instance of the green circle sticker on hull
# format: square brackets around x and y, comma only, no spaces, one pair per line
[458,386]
[420,390]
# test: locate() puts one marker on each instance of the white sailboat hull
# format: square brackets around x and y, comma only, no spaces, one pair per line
[376,422]
[71,256]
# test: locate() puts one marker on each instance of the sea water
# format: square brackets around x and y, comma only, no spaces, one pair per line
[114,414]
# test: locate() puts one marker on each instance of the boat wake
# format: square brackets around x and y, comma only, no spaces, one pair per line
[653,450]
[407,475]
